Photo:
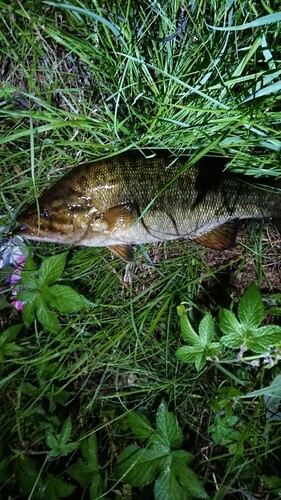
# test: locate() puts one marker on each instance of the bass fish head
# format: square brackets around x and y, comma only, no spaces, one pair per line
[46,222]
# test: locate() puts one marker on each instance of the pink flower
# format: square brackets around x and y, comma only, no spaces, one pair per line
[14,278]
[18,305]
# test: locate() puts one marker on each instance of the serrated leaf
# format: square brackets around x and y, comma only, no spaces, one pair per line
[200,361]
[28,279]
[51,440]
[81,473]
[188,354]
[187,330]
[231,340]
[181,456]
[140,425]
[96,488]
[57,488]
[264,337]
[10,333]
[27,474]
[140,466]
[29,264]
[28,314]
[66,431]
[229,324]
[90,452]
[191,483]
[250,307]
[167,487]
[207,329]
[27,295]
[168,427]
[9,349]
[66,300]
[48,319]
[52,268]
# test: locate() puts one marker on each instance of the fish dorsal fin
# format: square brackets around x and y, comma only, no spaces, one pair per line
[124,251]
[221,238]
[120,215]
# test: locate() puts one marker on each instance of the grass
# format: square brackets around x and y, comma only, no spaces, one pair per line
[85,79]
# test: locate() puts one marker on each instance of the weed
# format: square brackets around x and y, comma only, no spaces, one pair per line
[85,79]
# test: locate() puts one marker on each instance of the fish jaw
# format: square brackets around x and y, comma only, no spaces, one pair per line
[45,227]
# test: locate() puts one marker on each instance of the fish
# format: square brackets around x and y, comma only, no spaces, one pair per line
[135,198]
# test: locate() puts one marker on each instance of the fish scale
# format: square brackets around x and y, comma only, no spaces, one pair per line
[131,199]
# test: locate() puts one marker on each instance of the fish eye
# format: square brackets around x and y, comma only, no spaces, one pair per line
[44,213]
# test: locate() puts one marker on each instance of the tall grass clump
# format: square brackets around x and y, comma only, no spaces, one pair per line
[95,402]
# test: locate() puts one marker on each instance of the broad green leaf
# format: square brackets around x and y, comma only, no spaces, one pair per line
[167,487]
[66,431]
[191,483]
[52,268]
[59,445]
[168,427]
[223,431]
[10,333]
[57,488]
[66,300]
[48,319]
[139,466]
[229,324]
[29,264]
[28,314]
[187,330]
[87,472]
[186,354]
[89,451]
[214,349]
[63,449]
[140,425]
[181,457]
[28,279]
[232,340]
[27,295]
[250,307]
[96,487]
[200,361]
[207,329]
[51,440]
[27,474]
[9,349]
[264,337]
[82,473]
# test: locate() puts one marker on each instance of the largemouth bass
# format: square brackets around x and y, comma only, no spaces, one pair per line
[131,199]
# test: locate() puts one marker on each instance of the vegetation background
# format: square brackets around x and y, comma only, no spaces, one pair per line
[89,78]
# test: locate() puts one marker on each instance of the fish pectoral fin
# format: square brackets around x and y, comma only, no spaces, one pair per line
[119,216]
[124,251]
[221,238]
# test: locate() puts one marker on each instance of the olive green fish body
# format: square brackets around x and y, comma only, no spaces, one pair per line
[129,199]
